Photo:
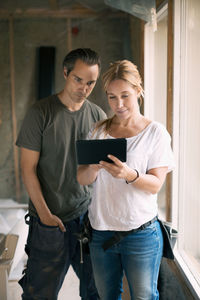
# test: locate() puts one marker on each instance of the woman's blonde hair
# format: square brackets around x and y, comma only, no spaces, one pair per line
[123,70]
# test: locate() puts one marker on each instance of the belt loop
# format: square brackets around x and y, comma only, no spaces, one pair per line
[142,227]
[27,219]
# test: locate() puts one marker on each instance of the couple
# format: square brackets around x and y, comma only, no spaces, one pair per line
[124,195]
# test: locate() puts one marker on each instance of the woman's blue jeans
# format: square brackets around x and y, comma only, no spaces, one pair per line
[138,255]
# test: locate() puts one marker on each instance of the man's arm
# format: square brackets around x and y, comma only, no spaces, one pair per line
[29,161]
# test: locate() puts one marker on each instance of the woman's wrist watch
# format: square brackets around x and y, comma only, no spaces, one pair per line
[137,176]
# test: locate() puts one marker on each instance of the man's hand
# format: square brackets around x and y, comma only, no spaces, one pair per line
[53,221]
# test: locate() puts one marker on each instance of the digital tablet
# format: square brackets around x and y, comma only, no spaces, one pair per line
[93,151]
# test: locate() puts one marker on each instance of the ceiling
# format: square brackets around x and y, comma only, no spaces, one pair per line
[75,8]
[17,5]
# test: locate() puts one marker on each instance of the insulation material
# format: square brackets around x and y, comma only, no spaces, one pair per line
[143,9]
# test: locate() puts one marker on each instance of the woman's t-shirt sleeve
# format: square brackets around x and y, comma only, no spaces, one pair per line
[161,154]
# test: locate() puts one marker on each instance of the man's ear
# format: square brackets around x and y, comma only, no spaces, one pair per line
[65,72]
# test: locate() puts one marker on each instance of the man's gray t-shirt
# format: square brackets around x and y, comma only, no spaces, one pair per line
[51,129]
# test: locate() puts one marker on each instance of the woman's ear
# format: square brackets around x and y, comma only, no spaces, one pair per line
[139,92]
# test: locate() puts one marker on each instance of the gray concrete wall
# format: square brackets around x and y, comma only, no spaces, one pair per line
[7,180]
[108,36]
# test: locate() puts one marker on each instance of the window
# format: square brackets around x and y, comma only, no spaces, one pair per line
[186,124]
[187,128]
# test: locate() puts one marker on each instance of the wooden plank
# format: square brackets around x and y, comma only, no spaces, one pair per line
[0,114]
[9,246]
[137,46]
[135,40]
[4,280]
[53,4]
[14,121]
[160,3]
[64,13]
[170,46]
[142,49]
[69,35]
[6,260]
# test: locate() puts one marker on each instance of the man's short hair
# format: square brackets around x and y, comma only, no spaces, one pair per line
[86,55]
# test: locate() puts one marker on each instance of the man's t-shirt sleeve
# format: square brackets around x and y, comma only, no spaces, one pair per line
[30,135]
[102,115]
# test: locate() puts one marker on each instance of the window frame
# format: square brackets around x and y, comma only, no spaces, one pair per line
[175,114]
[186,263]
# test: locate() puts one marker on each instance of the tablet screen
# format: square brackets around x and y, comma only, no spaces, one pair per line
[93,151]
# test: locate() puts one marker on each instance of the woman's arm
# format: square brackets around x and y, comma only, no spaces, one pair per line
[29,161]
[87,174]
[150,182]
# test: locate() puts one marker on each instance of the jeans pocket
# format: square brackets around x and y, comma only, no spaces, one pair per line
[47,238]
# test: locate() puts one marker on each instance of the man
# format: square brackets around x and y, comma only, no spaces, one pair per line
[48,162]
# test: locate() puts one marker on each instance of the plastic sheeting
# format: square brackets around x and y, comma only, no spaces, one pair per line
[142,9]
[10,214]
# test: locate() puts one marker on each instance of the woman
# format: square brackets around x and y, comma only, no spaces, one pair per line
[125,194]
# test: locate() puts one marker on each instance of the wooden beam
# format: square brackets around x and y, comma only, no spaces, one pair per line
[134,39]
[142,23]
[137,46]
[80,12]
[53,4]
[170,46]
[14,121]
[159,3]
[0,115]
[69,35]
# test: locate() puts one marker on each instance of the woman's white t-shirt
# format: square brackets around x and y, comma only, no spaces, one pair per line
[119,206]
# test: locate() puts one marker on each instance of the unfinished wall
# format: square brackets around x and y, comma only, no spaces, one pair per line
[110,37]
[7,178]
